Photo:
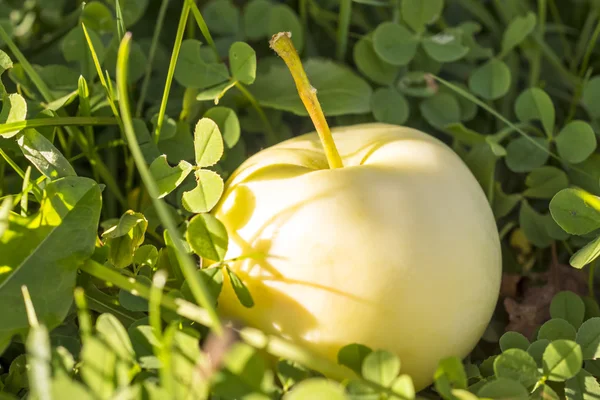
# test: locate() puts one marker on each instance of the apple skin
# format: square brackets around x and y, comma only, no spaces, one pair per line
[398,250]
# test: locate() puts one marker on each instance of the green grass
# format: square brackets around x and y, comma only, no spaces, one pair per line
[118,135]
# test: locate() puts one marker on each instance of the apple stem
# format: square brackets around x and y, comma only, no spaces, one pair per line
[283,46]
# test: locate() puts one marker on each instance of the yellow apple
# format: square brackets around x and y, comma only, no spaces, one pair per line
[397,250]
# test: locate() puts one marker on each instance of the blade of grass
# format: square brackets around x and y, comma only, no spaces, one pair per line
[202,25]
[197,286]
[274,345]
[162,13]
[555,61]
[120,21]
[36,189]
[343,28]
[478,10]
[38,353]
[59,121]
[83,315]
[271,136]
[74,133]
[540,30]
[103,81]
[584,39]
[496,114]
[171,72]
[25,192]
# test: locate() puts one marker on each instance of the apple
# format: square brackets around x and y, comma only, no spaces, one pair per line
[397,250]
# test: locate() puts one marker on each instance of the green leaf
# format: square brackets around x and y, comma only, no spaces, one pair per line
[240,289]
[75,48]
[490,80]
[208,142]
[282,18]
[228,124]
[207,237]
[146,255]
[206,194]
[482,163]
[517,365]
[568,306]
[137,61]
[198,66]
[503,389]
[582,387]
[317,388]
[535,104]
[146,142]
[446,46]
[591,96]
[243,374]
[513,340]
[545,182]
[555,329]
[339,90]
[180,147]
[440,110]
[462,394]
[544,392]
[390,106]
[14,109]
[371,65]
[504,203]
[465,135]
[256,19]
[450,374]
[525,155]
[5,209]
[403,385]
[5,62]
[214,93]
[562,360]
[44,156]
[169,178]
[576,142]
[381,367]
[588,338]
[213,280]
[97,368]
[353,356]
[168,130]
[242,62]
[222,17]
[36,253]
[394,43]
[593,367]
[132,10]
[124,238]
[468,109]
[64,387]
[534,226]
[112,332]
[517,31]
[291,373]
[536,350]
[576,211]
[477,52]
[186,358]
[133,302]
[419,13]
[417,84]
[586,254]
[97,16]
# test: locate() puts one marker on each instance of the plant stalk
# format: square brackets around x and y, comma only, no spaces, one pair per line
[197,286]
[283,46]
